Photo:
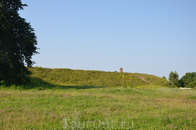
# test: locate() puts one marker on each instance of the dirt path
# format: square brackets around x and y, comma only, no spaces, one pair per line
[143,79]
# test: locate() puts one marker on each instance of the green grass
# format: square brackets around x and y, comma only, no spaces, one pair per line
[49,77]
[91,108]
[59,99]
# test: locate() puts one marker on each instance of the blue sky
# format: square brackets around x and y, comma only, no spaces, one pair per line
[144,36]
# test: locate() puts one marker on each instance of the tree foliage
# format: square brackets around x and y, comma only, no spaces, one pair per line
[188,78]
[192,84]
[17,43]
[174,78]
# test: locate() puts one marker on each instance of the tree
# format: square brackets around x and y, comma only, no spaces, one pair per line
[188,78]
[174,78]
[17,43]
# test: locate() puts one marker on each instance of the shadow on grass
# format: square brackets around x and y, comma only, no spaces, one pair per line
[39,84]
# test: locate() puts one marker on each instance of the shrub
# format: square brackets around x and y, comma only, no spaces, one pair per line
[191,85]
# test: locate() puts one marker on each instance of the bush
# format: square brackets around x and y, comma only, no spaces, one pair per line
[191,85]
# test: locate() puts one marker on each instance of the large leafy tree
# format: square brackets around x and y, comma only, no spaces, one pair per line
[174,78]
[188,78]
[17,43]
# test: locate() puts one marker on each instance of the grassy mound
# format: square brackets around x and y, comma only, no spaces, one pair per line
[48,77]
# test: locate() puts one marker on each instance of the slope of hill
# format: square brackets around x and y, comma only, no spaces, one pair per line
[46,76]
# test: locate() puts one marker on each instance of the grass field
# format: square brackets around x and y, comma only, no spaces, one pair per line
[91,108]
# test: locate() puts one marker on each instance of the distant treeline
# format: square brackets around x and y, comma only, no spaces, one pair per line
[188,80]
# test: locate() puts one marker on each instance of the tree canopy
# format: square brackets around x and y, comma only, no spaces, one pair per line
[174,78]
[188,78]
[17,43]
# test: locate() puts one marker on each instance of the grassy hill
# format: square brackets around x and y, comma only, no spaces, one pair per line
[46,76]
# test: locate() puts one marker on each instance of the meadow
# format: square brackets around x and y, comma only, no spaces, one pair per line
[88,108]
[65,99]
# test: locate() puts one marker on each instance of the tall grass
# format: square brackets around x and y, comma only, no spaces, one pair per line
[59,99]
[97,108]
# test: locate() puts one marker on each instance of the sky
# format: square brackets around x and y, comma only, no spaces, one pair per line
[141,36]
